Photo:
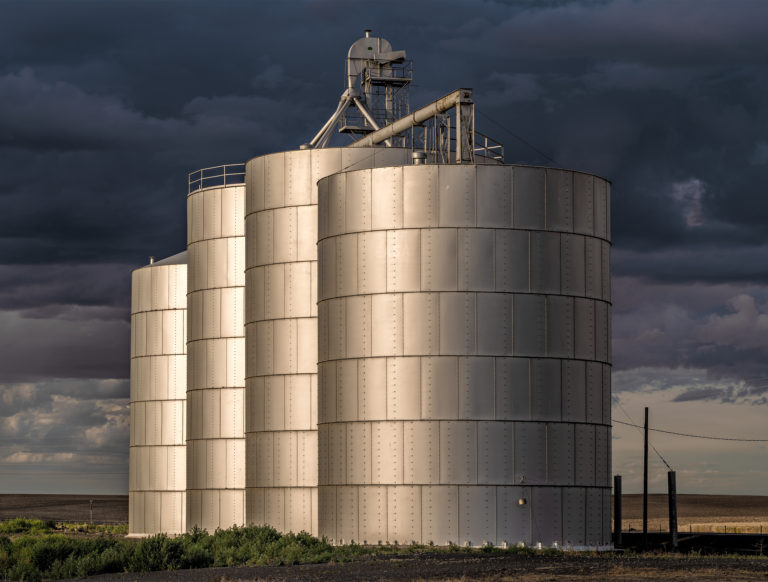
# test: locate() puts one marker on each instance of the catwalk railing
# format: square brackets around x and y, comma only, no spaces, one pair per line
[224,175]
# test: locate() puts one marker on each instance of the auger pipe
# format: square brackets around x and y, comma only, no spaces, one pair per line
[417,117]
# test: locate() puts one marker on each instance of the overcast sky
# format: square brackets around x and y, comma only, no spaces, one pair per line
[105,106]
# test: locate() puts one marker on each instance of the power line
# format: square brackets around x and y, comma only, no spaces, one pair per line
[517,137]
[655,450]
[695,436]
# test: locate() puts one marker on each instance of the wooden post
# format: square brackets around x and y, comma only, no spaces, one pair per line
[617,511]
[645,483]
[672,498]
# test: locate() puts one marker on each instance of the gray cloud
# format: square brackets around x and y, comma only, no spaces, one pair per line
[705,393]
[34,349]
[40,115]
[56,288]
[64,416]
[715,329]
[64,435]
[690,264]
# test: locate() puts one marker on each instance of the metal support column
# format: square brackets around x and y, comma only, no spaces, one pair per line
[617,511]
[465,133]
[645,482]
[672,497]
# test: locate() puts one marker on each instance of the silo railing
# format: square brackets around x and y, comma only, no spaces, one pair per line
[488,147]
[224,175]
[483,146]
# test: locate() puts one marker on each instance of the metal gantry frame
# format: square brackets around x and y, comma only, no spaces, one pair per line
[461,101]
[377,82]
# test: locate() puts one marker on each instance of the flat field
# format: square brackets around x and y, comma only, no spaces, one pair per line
[744,513]
[702,513]
[70,508]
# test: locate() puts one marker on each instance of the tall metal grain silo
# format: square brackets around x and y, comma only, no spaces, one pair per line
[464,386]
[157,460]
[281,329]
[216,348]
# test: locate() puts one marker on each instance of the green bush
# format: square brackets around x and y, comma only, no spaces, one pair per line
[56,556]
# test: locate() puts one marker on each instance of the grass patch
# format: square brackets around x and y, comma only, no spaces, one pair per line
[39,554]
[22,525]
[120,529]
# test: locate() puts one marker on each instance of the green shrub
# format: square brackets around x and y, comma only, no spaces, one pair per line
[56,556]
[24,571]
[197,555]
[148,555]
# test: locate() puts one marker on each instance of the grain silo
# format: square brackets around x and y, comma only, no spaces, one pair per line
[281,282]
[401,340]
[281,329]
[464,361]
[157,465]
[216,348]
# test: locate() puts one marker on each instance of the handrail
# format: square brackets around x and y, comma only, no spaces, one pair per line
[484,146]
[400,71]
[224,175]
[488,147]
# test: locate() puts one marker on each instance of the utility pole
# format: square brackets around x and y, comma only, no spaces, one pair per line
[91,502]
[645,483]
[672,498]
[617,511]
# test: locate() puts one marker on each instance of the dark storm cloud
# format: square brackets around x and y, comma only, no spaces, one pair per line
[61,116]
[645,93]
[654,31]
[33,349]
[710,263]
[651,95]
[28,287]
[105,108]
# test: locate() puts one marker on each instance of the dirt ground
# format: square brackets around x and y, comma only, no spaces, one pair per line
[479,568]
[71,508]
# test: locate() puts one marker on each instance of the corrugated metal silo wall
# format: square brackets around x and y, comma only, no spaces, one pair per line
[216,358]
[157,465]
[281,329]
[464,385]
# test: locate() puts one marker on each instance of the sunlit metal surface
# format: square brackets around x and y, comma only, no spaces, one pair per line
[216,357]
[463,376]
[281,328]
[157,465]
